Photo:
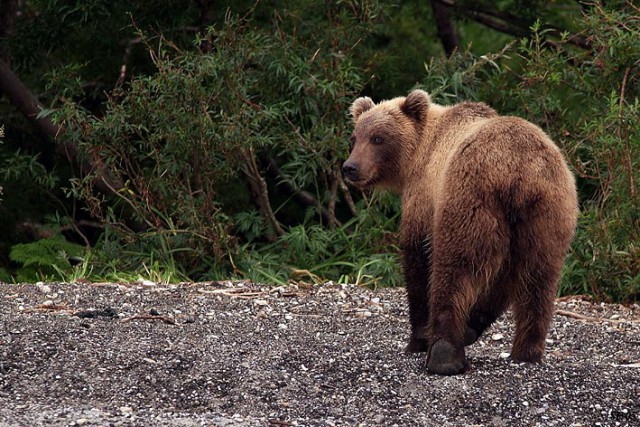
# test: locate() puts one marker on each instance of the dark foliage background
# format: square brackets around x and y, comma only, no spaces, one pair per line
[201,140]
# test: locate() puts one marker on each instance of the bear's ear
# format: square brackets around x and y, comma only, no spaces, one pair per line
[415,105]
[359,106]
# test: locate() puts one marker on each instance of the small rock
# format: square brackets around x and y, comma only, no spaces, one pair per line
[45,289]
[260,302]
[145,282]
[504,355]
[81,421]
[282,326]
[497,337]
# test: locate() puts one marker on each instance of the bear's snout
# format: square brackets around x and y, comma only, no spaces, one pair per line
[350,170]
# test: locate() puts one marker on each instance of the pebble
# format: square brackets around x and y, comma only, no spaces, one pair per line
[363,313]
[146,283]
[45,289]
[497,337]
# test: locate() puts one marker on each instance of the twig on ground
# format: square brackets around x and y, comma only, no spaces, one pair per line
[574,298]
[579,316]
[165,319]
[48,307]
[280,423]
[233,293]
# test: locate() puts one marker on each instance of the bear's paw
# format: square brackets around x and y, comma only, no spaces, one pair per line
[445,359]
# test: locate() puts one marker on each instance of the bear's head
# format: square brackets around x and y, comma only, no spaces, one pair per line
[384,138]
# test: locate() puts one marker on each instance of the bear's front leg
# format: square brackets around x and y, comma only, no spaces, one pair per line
[448,329]
[448,336]
[415,262]
[454,289]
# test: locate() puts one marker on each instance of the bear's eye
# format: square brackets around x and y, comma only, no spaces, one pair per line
[376,140]
[352,141]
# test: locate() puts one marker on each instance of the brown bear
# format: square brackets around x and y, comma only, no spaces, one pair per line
[489,208]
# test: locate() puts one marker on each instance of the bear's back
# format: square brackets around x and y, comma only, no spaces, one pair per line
[506,159]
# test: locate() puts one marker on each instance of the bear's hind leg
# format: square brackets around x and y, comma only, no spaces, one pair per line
[541,245]
[533,310]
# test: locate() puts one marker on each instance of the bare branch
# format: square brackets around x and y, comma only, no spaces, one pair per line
[347,196]
[20,96]
[260,191]
[125,60]
[301,196]
[335,181]
[508,23]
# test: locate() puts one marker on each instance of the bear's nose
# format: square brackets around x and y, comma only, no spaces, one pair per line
[350,170]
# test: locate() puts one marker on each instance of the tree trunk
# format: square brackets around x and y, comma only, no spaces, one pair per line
[20,96]
[8,11]
[446,31]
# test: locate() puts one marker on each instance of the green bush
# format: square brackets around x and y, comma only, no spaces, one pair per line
[223,156]
[230,156]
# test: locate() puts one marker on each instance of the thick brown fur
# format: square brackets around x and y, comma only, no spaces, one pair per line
[489,208]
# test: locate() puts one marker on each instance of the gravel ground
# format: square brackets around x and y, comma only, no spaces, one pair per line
[229,354]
